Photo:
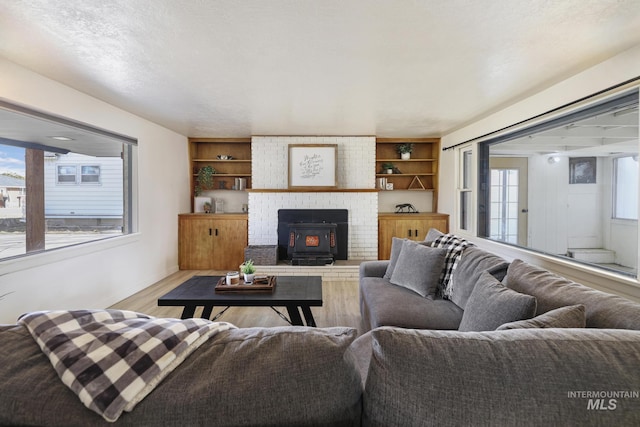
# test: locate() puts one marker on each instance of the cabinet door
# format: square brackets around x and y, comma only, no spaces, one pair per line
[195,243]
[230,237]
[407,228]
[386,231]
[413,229]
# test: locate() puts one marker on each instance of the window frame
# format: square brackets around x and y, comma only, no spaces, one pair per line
[618,97]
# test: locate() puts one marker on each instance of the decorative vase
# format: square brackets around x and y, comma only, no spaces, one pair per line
[248,278]
[405,156]
[389,171]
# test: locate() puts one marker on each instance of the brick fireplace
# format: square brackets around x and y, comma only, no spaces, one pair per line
[356,179]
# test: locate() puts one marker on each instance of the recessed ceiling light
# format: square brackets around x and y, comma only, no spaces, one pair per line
[61,138]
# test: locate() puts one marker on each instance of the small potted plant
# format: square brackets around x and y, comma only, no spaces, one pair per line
[207,207]
[249,271]
[388,168]
[405,150]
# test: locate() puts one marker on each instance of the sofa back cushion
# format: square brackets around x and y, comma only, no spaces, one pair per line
[252,376]
[472,263]
[603,310]
[526,376]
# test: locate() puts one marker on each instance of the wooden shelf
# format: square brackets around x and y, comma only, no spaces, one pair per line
[205,152]
[422,164]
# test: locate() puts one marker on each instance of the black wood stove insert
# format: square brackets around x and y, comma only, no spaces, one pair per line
[312,236]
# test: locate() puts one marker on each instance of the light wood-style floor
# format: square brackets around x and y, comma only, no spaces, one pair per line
[340,304]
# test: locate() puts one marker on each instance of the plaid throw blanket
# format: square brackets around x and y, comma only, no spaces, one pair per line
[455,246]
[112,359]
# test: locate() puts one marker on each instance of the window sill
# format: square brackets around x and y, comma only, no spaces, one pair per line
[25,262]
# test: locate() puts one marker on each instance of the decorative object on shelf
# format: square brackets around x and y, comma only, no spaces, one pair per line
[387,168]
[405,150]
[224,157]
[389,185]
[219,206]
[249,270]
[382,183]
[313,166]
[199,202]
[204,179]
[240,184]
[416,179]
[406,208]
[207,207]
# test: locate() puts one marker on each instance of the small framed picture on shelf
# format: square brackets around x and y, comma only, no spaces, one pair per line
[313,166]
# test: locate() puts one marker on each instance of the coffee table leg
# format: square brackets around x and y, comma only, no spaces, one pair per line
[308,316]
[294,315]
[188,311]
[206,311]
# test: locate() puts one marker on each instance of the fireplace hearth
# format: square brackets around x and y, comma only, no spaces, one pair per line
[313,236]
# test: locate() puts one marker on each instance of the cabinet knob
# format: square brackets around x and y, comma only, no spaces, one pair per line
[209,232]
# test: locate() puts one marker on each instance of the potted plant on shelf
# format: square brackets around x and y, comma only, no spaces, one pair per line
[405,150]
[388,168]
[204,181]
[249,270]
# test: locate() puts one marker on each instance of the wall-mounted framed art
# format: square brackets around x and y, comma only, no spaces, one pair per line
[313,166]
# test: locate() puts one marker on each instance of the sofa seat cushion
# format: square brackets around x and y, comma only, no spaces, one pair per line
[383,303]
[418,268]
[505,378]
[603,310]
[572,316]
[252,376]
[491,304]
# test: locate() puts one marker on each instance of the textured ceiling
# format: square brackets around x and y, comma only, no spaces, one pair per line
[330,67]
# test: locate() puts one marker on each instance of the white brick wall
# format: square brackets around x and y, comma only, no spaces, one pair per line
[356,170]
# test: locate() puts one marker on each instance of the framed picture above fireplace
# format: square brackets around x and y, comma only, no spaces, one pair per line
[312,166]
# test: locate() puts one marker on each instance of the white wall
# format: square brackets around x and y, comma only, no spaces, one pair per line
[355,170]
[101,273]
[616,70]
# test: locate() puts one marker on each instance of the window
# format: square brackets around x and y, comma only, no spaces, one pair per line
[465,191]
[626,187]
[560,186]
[82,174]
[66,174]
[90,174]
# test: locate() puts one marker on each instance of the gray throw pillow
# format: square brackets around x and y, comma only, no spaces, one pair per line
[396,246]
[572,316]
[432,235]
[491,304]
[419,268]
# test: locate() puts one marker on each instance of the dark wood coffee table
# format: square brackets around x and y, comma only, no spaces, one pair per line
[292,292]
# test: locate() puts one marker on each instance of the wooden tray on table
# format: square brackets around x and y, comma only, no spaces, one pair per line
[264,284]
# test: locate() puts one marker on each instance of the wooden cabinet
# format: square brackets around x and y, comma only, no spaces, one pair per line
[211,152]
[211,241]
[419,173]
[410,226]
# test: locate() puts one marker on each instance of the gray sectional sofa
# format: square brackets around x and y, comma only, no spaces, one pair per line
[568,355]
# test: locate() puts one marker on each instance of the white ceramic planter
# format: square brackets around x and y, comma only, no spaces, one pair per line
[405,156]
